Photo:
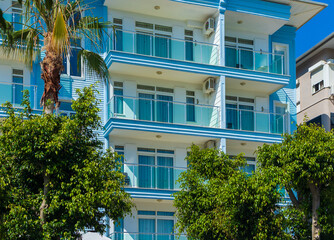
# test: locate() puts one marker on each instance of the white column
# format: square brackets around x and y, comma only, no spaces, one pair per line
[222,145]
[222,101]
[221,23]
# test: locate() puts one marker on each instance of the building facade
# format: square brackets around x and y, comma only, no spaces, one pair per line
[209,72]
[315,84]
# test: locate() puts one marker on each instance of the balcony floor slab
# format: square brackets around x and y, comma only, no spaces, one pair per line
[179,129]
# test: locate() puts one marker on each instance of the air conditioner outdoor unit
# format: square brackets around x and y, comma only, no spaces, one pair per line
[210,144]
[209,26]
[209,85]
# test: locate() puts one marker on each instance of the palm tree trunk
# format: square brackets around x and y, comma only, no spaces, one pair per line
[315,216]
[51,66]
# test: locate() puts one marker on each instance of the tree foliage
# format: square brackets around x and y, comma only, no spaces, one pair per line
[84,184]
[220,201]
[304,163]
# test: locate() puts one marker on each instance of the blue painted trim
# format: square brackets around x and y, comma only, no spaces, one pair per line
[212,70]
[203,3]
[150,193]
[129,124]
[260,8]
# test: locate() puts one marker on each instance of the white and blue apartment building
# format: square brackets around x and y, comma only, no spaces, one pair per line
[216,73]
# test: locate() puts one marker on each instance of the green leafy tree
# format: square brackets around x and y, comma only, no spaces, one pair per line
[53,25]
[304,163]
[220,201]
[55,180]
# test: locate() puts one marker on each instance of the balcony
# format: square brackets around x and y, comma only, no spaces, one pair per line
[249,120]
[259,61]
[163,110]
[13,93]
[152,176]
[145,236]
[164,47]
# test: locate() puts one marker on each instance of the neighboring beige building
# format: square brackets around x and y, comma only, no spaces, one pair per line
[315,84]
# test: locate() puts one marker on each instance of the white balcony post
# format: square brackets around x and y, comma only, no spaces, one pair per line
[222,101]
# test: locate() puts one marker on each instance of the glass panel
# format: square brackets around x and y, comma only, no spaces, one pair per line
[279,119]
[17,21]
[189,50]
[146,107]
[118,42]
[164,108]
[146,226]
[249,169]
[165,175]
[232,116]
[246,59]
[190,109]
[75,64]
[17,90]
[165,229]
[162,46]
[261,62]
[143,43]
[119,229]
[246,118]
[231,57]
[146,174]
[118,101]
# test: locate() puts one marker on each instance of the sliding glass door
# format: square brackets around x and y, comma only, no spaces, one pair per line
[146,106]
[165,229]
[165,173]
[146,171]
[144,43]
[162,45]
[146,229]
[164,108]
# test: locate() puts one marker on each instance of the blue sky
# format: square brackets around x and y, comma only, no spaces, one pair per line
[316,29]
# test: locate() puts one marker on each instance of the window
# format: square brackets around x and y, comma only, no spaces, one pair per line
[118,97]
[72,66]
[189,44]
[153,39]
[159,223]
[17,89]
[280,56]
[120,151]
[155,103]
[155,168]
[118,40]
[280,125]
[17,15]
[190,99]
[251,165]
[240,113]
[318,86]
[65,109]
[239,53]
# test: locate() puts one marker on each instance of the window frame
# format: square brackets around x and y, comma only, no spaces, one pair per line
[156,217]
[68,65]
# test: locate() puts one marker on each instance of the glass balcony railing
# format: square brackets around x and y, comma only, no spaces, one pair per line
[156,110]
[164,46]
[13,93]
[146,236]
[249,120]
[152,176]
[255,60]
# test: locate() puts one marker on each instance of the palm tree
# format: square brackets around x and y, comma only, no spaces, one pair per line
[50,26]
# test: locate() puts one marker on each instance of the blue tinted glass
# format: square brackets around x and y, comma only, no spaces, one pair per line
[75,65]
[65,106]
[146,150]
[141,212]
[165,213]
[165,151]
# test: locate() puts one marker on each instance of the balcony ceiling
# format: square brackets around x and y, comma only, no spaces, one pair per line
[237,21]
[164,138]
[251,86]
[168,9]
[151,72]
[302,10]
[242,146]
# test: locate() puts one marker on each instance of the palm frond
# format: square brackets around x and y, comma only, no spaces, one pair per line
[94,63]
[60,37]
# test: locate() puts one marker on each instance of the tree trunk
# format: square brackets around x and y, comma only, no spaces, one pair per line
[46,182]
[51,67]
[315,190]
